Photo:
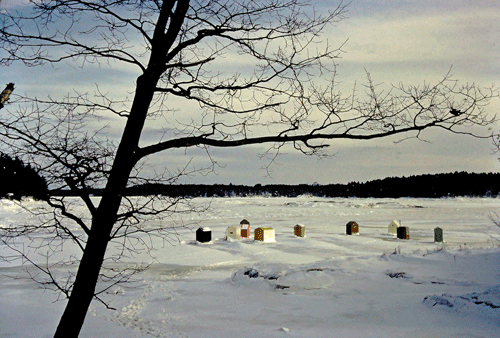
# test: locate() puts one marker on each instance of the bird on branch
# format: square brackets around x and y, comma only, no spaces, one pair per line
[455,112]
[5,95]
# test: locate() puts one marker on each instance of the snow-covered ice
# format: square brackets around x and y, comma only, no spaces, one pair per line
[327,284]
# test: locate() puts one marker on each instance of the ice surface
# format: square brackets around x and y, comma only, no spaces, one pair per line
[327,284]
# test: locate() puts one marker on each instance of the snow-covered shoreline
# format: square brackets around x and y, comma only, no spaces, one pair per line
[326,284]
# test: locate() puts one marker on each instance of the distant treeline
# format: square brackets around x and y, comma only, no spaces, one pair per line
[431,185]
[19,180]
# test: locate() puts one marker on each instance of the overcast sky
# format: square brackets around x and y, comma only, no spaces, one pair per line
[395,41]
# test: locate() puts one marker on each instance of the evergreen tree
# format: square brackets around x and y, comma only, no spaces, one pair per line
[19,180]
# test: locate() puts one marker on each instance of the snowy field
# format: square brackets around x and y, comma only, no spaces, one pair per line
[327,284]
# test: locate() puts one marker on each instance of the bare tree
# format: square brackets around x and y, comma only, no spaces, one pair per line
[285,94]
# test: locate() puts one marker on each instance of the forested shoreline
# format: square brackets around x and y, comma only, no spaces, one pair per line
[426,186]
[22,180]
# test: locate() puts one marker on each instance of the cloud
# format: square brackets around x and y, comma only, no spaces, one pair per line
[416,40]
[11,4]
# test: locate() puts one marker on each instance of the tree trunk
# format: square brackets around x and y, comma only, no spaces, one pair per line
[87,275]
[83,290]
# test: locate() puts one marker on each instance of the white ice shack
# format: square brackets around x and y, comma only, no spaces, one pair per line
[233,232]
[393,227]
